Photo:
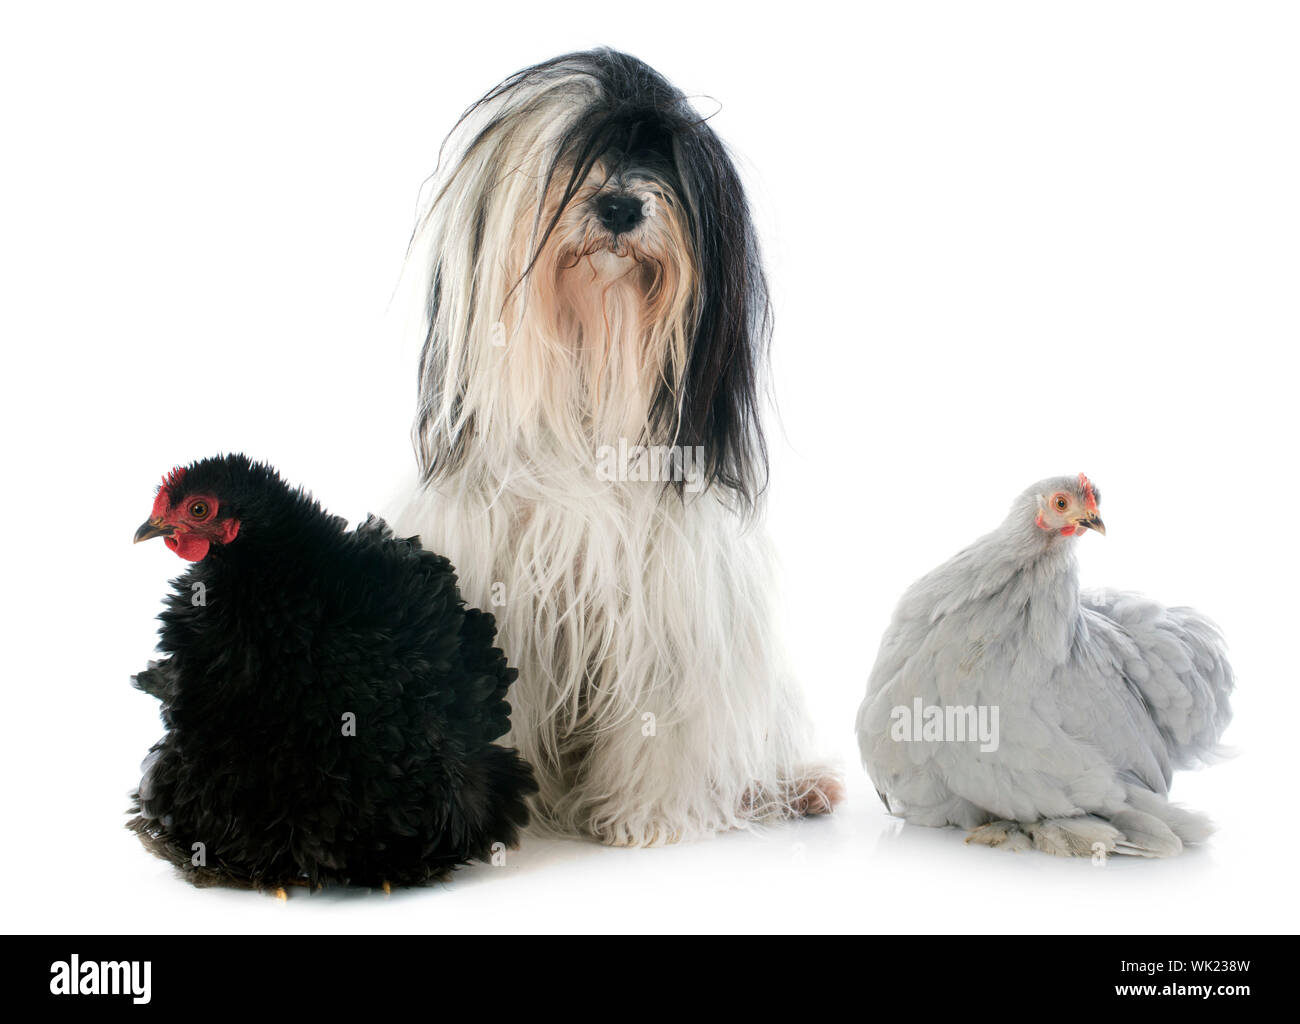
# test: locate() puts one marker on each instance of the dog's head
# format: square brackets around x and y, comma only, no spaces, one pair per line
[592,275]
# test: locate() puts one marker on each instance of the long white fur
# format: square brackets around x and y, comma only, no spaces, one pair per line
[653,699]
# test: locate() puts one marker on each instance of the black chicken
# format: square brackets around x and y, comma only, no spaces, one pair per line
[330,702]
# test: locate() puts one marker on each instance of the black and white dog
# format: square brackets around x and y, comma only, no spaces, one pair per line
[591,452]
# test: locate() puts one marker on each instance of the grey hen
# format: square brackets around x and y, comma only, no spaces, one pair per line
[1006,701]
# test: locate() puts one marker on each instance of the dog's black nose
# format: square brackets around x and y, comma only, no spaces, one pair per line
[619,213]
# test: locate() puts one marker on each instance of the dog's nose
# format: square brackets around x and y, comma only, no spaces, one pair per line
[619,213]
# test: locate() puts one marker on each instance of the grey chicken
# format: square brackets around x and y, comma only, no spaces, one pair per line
[1006,701]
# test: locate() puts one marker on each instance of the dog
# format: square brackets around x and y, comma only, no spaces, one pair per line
[595,324]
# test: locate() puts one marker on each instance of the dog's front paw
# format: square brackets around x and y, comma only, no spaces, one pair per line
[635,833]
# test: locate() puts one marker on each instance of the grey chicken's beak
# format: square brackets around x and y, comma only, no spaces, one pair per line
[153,528]
[1093,522]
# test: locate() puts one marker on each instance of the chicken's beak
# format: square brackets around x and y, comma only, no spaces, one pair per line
[1093,522]
[153,528]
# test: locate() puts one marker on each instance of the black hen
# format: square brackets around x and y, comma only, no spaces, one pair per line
[330,702]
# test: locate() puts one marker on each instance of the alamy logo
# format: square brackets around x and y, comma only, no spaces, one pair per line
[950,723]
[652,464]
[101,978]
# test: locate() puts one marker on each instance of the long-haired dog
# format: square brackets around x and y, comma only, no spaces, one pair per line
[592,460]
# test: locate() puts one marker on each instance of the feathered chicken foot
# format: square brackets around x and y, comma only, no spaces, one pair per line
[281,893]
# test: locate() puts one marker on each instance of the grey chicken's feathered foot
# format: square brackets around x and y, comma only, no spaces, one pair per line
[1062,837]
[1149,827]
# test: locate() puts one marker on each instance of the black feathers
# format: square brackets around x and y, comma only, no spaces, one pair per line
[330,703]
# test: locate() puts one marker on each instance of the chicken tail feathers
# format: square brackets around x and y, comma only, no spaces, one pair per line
[492,806]
[1177,661]
[1191,827]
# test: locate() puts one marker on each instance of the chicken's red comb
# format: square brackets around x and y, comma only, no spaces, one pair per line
[1089,495]
[162,501]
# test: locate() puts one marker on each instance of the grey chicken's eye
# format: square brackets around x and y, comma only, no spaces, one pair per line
[199,510]
[1061,502]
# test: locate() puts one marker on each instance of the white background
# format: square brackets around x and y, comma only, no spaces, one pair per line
[1007,240]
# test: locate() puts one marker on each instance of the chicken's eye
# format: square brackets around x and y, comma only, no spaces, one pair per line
[198,510]
[1061,502]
